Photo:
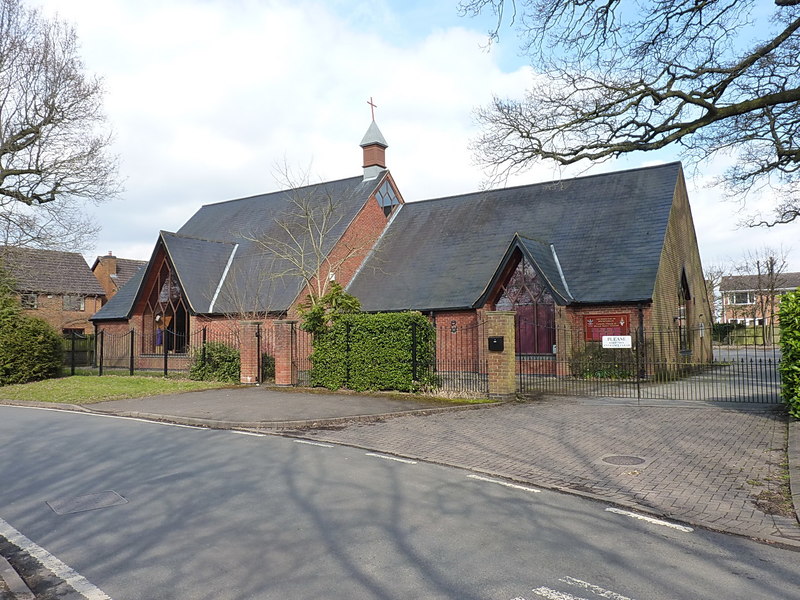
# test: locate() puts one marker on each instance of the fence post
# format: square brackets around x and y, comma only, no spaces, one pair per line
[502,365]
[102,336]
[132,347]
[203,348]
[285,341]
[72,353]
[165,347]
[248,352]
[259,374]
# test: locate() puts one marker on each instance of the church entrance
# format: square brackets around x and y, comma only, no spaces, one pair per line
[524,293]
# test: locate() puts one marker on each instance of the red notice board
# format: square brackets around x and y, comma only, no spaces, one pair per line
[596,326]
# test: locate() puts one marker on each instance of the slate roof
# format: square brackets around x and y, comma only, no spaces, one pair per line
[220,265]
[607,232]
[50,271]
[746,283]
[127,268]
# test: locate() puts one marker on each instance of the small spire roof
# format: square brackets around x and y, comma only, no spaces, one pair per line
[373,137]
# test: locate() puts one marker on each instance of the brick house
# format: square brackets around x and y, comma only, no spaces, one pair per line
[753,299]
[575,260]
[56,286]
[112,272]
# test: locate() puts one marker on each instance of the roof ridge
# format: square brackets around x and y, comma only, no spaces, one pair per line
[192,237]
[546,183]
[284,190]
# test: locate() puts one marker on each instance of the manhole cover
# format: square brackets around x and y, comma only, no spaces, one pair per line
[623,460]
[65,506]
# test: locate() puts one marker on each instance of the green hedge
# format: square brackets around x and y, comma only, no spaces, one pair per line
[219,363]
[30,349]
[374,352]
[790,348]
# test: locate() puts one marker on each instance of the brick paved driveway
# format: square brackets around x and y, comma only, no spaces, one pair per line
[703,465]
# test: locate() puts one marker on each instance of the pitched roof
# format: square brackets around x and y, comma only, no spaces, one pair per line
[220,262]
[745,283]
[50,271]
[607,232]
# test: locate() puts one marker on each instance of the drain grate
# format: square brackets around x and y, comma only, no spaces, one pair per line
[66,506]
[619,459]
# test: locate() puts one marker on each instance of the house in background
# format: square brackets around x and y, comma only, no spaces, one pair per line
[113,272]
[753,299]
[56,286]
[607,254]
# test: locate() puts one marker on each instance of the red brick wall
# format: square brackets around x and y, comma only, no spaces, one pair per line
[51,309]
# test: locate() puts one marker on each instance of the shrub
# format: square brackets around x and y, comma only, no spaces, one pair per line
[30,350]
[594,361]
[790,348]
[375,352]
[219,362]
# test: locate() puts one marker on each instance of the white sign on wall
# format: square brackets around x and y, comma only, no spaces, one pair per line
[617,341]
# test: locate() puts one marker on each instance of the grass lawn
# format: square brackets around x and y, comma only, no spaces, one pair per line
[82,389]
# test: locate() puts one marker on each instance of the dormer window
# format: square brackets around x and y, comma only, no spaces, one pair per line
[386,198]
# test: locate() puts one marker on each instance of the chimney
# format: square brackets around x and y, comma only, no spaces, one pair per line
[374,146]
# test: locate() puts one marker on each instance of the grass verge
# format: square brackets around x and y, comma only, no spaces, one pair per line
[86,390]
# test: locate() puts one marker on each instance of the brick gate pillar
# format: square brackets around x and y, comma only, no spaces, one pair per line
[285,340]
[502,365]
[248,352]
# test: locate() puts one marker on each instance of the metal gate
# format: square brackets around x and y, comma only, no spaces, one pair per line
[660,364]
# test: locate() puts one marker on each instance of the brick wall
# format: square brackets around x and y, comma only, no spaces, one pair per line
[50,307]
[679,254]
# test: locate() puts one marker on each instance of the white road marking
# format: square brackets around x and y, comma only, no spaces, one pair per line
[652,520]
[594,589]
[320,444]
[247,433]
[394,458]
[554,595]
[505,483]
[123,418]
[74,579]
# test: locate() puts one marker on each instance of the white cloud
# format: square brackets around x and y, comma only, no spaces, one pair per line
[206,96]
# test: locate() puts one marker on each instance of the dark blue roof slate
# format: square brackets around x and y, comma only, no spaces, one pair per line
[608,231]
[220,263]
[121,305]
[200,266]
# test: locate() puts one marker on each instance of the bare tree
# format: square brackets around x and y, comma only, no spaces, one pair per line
[614,77]
[762,272]
[303,242]
[54,150]
[713,275]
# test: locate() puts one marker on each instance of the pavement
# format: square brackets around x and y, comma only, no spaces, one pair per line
[718,466]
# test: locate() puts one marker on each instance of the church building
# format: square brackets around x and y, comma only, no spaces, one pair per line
[607,254]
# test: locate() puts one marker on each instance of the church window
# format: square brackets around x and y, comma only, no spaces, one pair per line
[386,197]
[166,318]
[682,318]
[524,293]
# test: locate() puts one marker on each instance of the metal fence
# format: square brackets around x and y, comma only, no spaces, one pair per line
[78,350]
[164,351]
[461,366]
[667,364]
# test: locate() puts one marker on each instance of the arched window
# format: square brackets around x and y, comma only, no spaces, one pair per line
[166,319]
[684,295]
[524,293]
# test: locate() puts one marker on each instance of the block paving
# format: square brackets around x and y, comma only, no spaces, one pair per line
[705,465]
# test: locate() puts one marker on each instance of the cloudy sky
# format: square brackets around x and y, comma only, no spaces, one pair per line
[207,98]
